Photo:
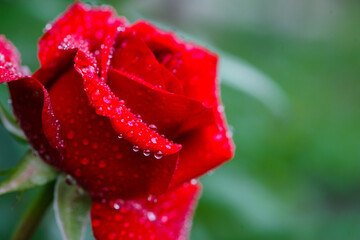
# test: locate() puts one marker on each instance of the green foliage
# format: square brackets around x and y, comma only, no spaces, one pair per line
[293,177]
[71,206]
[29,173]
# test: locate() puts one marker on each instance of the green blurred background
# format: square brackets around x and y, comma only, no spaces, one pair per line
[296,173]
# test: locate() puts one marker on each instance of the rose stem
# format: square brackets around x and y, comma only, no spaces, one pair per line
[34,213]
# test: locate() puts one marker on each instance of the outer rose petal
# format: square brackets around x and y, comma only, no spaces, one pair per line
[166,218]
[204,149]
[91,24]
[195,67]
[105,165]
[10,68]
[32,108]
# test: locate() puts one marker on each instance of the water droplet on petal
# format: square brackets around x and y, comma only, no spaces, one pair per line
[102,164]
[164,219]
[146,152]
[70,134]
[158,155]
[85,141]
[85,161]
[151,216]
[136,148]
[112,236]
[70,180]
[120,136]
[153,127]
[96,222]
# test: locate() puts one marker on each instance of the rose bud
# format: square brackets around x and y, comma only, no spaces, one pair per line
[128,111]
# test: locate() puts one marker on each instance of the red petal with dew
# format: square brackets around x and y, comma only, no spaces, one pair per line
[168,217]
[32,108]
[172,114]
[108,167]
[10,68]
[91,24]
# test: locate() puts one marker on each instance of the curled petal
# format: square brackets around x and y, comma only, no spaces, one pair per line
[91,24]
[10,68]
[204,149]
[124,122]
[32,108]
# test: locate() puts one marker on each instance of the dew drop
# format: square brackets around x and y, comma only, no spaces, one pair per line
[95,222]
[120,136]
[77,172]
[146,152]
[95,146]
[153,127]
[70,180]
[193,181]
[85,161]
[111,236]
[136,148]
[71,134]
[130,134]
[116,206]
[107,99]
[102,164]
[154,140]
[164,219]
[118,110]
[151,216]
[158,154]
[85,141]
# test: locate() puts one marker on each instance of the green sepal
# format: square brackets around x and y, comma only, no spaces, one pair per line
[30,172]
[71,206]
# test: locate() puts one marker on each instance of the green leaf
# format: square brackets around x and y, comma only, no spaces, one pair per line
[71,205]
[10,124]
[30,172]
[240,75]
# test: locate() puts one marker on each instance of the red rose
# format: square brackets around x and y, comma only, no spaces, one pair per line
[127,111]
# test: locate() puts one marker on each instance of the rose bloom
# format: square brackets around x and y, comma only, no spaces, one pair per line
[131,112]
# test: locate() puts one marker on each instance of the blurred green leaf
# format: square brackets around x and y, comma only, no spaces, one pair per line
[240,75]
[72,205]
[10,124]
[30,172]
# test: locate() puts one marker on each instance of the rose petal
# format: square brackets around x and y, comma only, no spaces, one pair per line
[108,167]
[136,60]
[123,121]
[204,149]
[193,66]
[10,68]
[91,24]
[172,114]
[167,217]
[32,108]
